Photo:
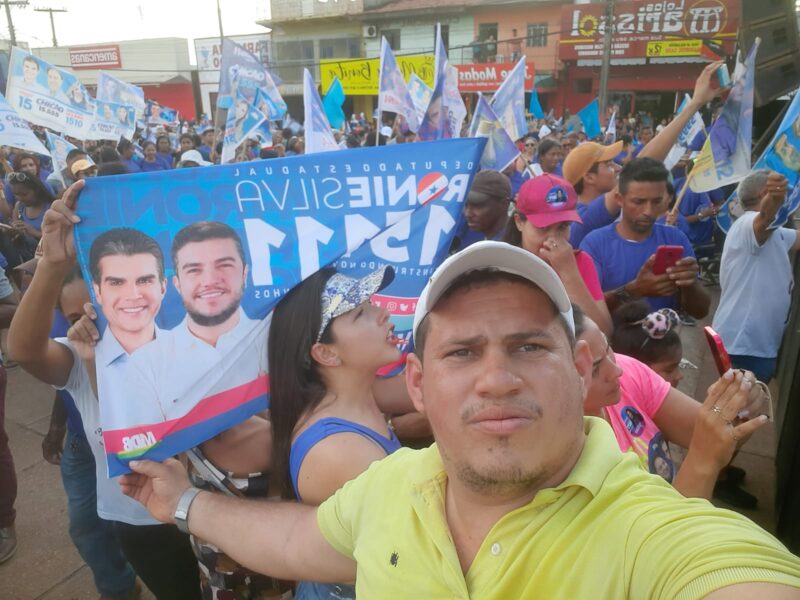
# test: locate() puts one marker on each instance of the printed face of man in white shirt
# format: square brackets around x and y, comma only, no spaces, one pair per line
[130,293]
[30,71]
[210,277]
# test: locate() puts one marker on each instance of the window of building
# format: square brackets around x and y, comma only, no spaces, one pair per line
[537,35]
[290,58]
[340,48]
[393,37]
[445,36]
[583,86]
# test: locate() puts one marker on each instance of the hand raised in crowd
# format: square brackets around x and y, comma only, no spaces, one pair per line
[559,255]
[684,272]
[717,434]
[158,486]
[704,91]
[53,444]
[648,283]
[776,186]
[58,242]
[83,335]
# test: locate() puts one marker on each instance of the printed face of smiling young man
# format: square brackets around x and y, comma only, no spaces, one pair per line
[210,277]
[130,292]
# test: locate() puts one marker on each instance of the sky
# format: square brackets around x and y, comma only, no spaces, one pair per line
[92,21]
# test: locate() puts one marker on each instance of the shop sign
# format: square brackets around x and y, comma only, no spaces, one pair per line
[649,28]
[487,77]
[359,76]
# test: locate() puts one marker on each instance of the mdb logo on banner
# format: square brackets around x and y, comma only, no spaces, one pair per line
[186,266]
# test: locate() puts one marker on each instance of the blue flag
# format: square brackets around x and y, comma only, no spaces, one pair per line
[319,137]
[509,102]
[725,157]
[590,117]
[393,95]
[332,102]
[243,120]
[500,149]
[274,223]
[241,69]
[534,107]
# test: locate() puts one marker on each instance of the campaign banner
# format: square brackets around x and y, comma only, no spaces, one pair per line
[393,95]
[111,89]
[112,121]
[48,96]
[243,120]
[509,102]
[58,149]
[318,134]
[421,94]
[155,114]
[781,155]
[185,267]
[500,149]
[15,131]
[241,69]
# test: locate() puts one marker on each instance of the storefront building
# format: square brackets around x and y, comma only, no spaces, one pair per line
[658,50]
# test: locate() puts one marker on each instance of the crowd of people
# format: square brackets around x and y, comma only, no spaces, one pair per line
[546,365]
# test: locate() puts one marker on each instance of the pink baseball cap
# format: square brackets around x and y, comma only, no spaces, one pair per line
[548,199]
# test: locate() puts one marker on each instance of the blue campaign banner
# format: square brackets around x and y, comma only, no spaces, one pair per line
[111,89]
[48,96]
[241,69]
[186,266]
[500,149]
[15,131]
[155,114]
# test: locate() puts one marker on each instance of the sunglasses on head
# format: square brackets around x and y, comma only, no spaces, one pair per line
[18,176]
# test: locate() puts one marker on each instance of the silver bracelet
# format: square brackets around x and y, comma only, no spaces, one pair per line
[181,514]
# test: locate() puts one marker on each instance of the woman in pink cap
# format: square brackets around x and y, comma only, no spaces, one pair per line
[544,211]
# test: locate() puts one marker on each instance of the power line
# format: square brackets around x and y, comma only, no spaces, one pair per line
[52,21]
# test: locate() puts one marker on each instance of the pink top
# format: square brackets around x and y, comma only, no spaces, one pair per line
[642,392]
[589,274]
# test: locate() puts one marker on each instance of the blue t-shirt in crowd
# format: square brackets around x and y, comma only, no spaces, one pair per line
[681,223]
[132,165]
[618,260]
[594,215]
[700,232]
[517,178]
[166,159]
[156,165]
[205,151]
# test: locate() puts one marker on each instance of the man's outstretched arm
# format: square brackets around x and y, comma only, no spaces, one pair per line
[280,539]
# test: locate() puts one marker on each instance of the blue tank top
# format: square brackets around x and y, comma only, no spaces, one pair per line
[328,427]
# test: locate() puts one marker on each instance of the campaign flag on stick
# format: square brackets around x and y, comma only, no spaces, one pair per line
[192,380]
[535,108]
[319,137]
[500,149]
[509,102]
[243,120]
[590,117]
[442,112]
[611,129]
[112,121]
[241,69]
[48,96]
[686,137]
[58,149]
[332,102]
[111,89]
[453,101]
[783,156]
[15,131]
[421,94]
[393,95]
[725,157]
[155,114]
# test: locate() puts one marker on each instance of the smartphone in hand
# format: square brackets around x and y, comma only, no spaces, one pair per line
[666,257]
[721,358]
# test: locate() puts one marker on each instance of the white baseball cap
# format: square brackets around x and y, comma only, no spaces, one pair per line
[495,256]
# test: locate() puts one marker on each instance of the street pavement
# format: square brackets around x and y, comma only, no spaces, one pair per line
[47,566]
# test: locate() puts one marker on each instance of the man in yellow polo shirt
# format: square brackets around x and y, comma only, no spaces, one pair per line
[521,497]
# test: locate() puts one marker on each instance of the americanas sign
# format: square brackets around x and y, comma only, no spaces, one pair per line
[95,57]
[649,28]
[487,77]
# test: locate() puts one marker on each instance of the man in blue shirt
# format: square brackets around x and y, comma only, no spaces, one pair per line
[624,252]
[207,139]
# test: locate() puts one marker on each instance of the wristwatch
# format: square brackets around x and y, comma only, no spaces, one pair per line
[181,515]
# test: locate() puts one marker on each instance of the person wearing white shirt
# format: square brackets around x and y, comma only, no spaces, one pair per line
[160,555]
[756,277]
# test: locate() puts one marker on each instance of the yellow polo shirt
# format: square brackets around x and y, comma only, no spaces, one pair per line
[611,530]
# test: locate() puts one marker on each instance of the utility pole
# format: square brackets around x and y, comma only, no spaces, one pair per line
[605,66]
[52,21]
[219,19]
[8,4]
